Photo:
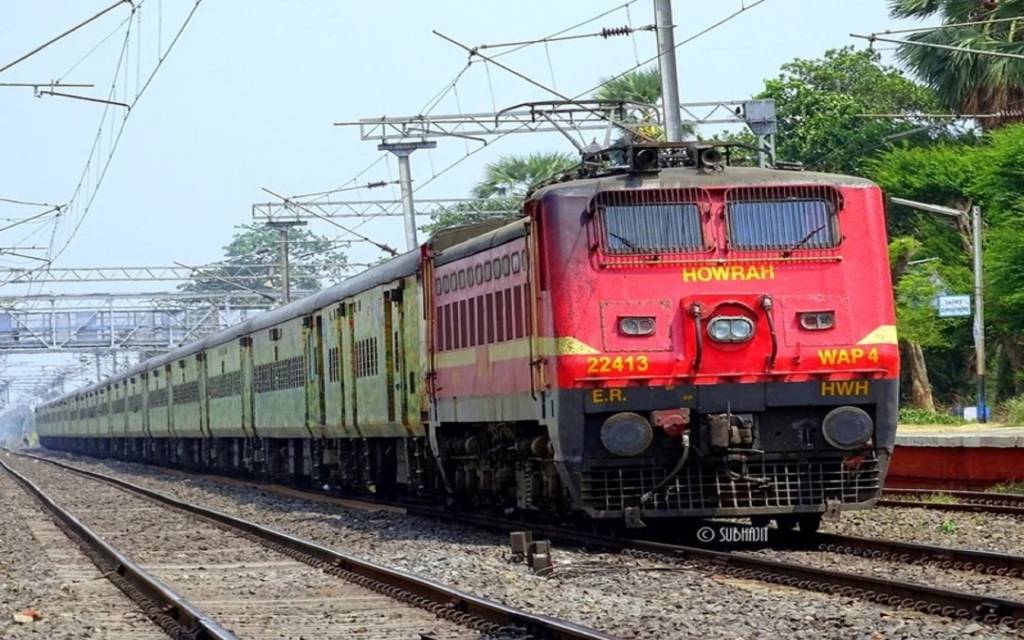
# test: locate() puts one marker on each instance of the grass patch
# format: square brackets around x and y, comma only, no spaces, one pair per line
[1008,487]
[938,498]
[910,415]
[948,527]
[1013,410]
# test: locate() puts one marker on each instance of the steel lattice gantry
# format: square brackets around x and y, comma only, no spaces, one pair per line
[240,273]
[288,211]
[118,322]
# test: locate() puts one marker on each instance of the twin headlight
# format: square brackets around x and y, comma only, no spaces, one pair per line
[730,329]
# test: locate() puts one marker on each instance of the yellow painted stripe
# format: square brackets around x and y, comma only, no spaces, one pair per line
[885,334]
[513,349]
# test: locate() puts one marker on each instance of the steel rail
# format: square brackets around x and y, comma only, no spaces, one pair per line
[176,616]
[943,602]
[444,601]
[969,501]
[985,562]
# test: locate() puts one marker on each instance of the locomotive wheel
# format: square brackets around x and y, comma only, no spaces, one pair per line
[786,523]
[809,522]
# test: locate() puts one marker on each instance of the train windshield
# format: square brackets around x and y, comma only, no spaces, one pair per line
[650,228]
[782,224]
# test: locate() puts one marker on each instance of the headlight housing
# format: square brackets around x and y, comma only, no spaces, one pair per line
[730,329]
[636,325]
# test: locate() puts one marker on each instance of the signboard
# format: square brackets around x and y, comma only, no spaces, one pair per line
[954,306]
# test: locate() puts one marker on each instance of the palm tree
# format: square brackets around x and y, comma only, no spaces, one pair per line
[967,82]
[514,176]
[643,85]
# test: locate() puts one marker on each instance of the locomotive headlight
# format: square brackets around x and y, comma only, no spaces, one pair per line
[730,329]
[847,427]
[636,325]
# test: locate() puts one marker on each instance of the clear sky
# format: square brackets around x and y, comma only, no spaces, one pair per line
[246,100]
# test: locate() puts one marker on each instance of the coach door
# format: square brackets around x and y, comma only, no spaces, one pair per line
[313,330]
[394,356]
[248,395]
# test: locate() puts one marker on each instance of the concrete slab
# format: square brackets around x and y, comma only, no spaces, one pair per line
[976,436]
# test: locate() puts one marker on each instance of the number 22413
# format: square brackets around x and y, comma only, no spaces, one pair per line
[618,364]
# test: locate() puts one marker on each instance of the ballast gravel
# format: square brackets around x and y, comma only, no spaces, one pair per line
[620,595]
[49,589]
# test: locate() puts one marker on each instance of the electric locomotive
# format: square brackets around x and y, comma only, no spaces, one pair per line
[658,336]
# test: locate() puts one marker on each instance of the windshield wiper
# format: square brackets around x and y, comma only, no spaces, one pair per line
[804,240]
[622,240]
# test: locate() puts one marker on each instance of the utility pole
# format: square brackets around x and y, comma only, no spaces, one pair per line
[403,150]
[282,227]
[979,299]
[979,313]
[667,64]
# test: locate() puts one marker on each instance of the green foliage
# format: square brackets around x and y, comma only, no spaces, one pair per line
[909,415]
[968,83]
[642,85]
[948,527]
[1012,411]
[1008,487]
[313,260]
[514,176]
[467,213]
[821,106]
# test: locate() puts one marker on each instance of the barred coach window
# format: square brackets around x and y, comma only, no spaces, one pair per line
[782,224]
[650,228]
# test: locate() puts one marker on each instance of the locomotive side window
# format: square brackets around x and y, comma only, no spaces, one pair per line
[786,224]
[650,228]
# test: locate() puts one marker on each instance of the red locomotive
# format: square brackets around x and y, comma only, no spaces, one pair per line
[659,336]
[687,341]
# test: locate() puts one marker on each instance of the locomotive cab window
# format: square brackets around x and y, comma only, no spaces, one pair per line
[649,227]
[805,221]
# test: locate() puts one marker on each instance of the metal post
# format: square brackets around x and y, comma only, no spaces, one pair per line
[979,313]
[284,264]
[286,276]
[403,150]
[667,63]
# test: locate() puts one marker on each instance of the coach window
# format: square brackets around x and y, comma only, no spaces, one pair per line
[515,263]
[469,276]
[479,273]
[487,271]
[499,316]
[496,266]
[490,317]
[505,266]
[462,279]
[437,285]
[444,283]
[481,321]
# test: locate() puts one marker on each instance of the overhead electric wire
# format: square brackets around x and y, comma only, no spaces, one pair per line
[97,46]
[66,33]
[945,47]
[470,153]
[379,245]
[120,131]
[743,9]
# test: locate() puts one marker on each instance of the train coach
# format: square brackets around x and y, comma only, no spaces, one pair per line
[658,336]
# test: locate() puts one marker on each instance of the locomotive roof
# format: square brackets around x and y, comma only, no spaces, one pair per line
[689,177]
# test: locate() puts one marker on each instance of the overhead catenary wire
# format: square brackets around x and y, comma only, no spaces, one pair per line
[469,153]
[379,245]
[117,137]
[66,33]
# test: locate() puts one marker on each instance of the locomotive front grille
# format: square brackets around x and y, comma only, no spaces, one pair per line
[753,485]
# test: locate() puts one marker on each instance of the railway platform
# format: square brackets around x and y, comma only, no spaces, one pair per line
[957,457]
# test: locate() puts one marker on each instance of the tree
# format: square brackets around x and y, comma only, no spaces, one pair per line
[464,213]
[514,176]
[962,174]
[966,82]
[313,260]
[823,106]
[643,85]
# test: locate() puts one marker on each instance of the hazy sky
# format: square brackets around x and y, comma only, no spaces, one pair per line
[247,97]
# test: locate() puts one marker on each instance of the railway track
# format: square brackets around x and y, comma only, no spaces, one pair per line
[941,500]
[737,563]
[203,574]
